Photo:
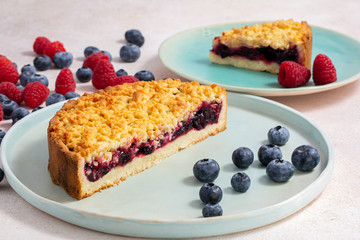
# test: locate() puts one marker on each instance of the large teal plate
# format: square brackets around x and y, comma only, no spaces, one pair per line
[186,54]
[163,201]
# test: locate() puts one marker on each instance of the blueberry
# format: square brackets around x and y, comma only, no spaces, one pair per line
[28,68]
[2,175]
[21,87]
[129,53]
[144,75]
[280,170]
[90,50]
[206,170]
[18,114]
[63,59]
[210,193]
[278,135]
[269,152]
[36,109]
[25,77]
[108,54]
[212,210]
[70,95]
[2,135]
[15,65]
[42,62]
[8,107]
[84,74]
[39,78]
[54,98]
[305,157]
[134,36]
[121,72]
[3,98]
[240,182]
[242,157]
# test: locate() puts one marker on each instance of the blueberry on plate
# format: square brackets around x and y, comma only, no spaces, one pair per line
[108,54]
[28,68]
[242,157]
[2,175]
[42,62]
[39,78]
[210,193]
[206,170]
[18,114]
[84,74]
[305,157]
[129,53]
[8,107]
[3,98]
[280,170]
[144,75]
[121,72]
[70,95]
[269,152]
[2,135]
[63,59]
[212,210]
[54,98]
[240,182]
[278,135]
[134,36]
[90,50]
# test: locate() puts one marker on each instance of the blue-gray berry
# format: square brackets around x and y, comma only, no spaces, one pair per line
[70,95]
[134,36]
[84,74]
[121,72]
[280,170]
[18,114]
[8,107]
[90,50]
[42,62]
[269,152]
[2,135]
[240,182]
[278,135]
[129,53]
[39,78]
[144,75]
[210,193]
[63,59]
[54,98]
[206,170]
[212,210]
[305,157]
[242,157]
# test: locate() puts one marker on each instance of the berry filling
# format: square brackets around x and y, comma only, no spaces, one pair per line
[207,113]
[266,54]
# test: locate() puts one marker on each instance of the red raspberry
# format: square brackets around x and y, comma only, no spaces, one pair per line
[124,79]
[292,74]
[65,82]
[40,44]
[324,71]
[35,94]
[92,60]
[53,48]
[10,90]
[8,72]
[104,74]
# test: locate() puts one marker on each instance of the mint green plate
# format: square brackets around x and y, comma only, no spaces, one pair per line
[163,201]
[186,54]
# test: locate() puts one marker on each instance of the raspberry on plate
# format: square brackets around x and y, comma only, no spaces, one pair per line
[292,74]
[35,94]
[104,74]
[324,71]
[10,90]
[65,82]
[8,72]
[92,60]
[54,48]
[124,79]
[40,44]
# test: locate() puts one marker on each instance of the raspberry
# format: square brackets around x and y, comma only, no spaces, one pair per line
[35,93]
[292,74]
[40,44]
[124,79]
[8,72]
[92,60]
[65,82]
[104,74]
[10,90]
[324,71]
[53,48]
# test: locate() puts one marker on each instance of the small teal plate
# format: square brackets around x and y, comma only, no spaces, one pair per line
[187,54]
[163,201]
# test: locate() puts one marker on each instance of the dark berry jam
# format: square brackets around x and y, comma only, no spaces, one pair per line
[266,54]
[208,113]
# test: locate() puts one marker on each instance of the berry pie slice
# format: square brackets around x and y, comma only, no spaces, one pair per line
[100,139]
[264,47]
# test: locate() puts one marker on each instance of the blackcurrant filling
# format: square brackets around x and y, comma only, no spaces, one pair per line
[266,54]
[207,113]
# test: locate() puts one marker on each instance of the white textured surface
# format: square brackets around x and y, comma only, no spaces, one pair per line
[335,214]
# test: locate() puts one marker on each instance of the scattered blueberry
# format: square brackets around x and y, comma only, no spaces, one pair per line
[305,157]
[121,72]
[3,98]
[25,77]
[28,68]
[242,157]
[144,75]
[18,114]
[212,210]
[206,170]
[8,107]
[210,193]
[39,78]
[21,87]
[90,50]
[54,98]
[280,170]
[134,36]
[63,59]
[278,135]
[84,74]
[269,152]
[108,54]
[36,109]
[42,62]
[2,175]
[240,182]
[2,135]
[70,95]
[129,52]
[15,65]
